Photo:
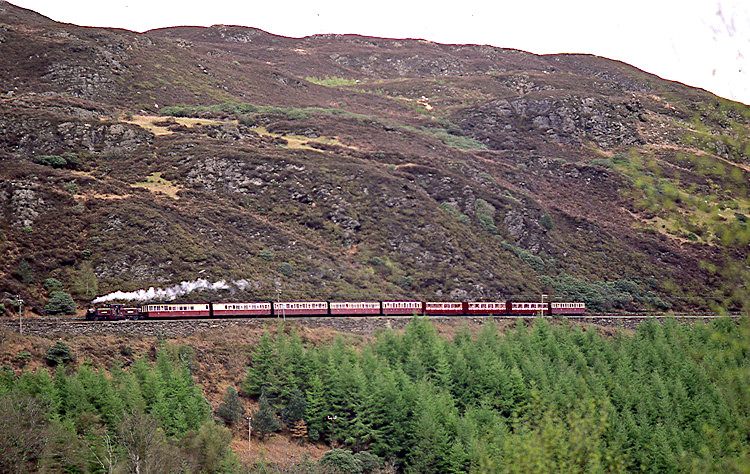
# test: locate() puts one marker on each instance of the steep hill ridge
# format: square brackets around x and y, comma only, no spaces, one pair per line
[341,166]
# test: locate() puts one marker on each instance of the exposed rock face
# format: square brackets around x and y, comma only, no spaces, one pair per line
[400,65]
[29,134]
[21,202]
[570,120]
[224,174]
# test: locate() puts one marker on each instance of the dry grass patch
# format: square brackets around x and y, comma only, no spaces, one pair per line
[104,197]
[156,184]
[276,449]
[299,142]
[159,125]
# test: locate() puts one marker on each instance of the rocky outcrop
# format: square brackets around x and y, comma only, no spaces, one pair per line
[21,202]
[570,120]
[34,133]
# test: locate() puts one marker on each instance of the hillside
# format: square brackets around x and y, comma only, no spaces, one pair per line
[342,166]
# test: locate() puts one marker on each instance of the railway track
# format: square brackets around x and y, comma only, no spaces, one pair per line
[46,327]
[653,315]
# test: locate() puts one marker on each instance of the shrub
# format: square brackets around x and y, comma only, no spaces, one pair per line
[369,462]
[24,271]
[60,303]
[546,221]
[52,284]
[286,269]
[66,160]
[406,281]
[248,120]
[59,354]
[266,255]
[452,209]
[71,187]
[486,215]
[23,355]
[296,114]
[340,460]
[532,260]
[54,161]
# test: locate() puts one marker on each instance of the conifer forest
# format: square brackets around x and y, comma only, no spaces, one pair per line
[545,397]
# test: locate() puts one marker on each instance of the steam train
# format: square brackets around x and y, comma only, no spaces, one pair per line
[333,308]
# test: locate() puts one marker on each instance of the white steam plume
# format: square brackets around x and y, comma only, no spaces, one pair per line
[168,293]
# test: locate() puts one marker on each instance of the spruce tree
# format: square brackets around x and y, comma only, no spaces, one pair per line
[317,409]
[295,409]
[60,303]
[231,409]
[262,367]
[264,420]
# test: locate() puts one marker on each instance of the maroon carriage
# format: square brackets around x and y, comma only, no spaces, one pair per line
[486,307]
[444,308]
[177,310]
[402,307]
[568,308]
[354,307]
[527,308]
[228,310]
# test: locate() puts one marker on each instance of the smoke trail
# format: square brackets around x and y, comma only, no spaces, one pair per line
[168,293]
[241,284]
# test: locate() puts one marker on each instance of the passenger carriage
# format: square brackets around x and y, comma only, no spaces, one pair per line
[176,310]
[221,310]
[486,307]
[527,308]
[402,308]
[445,308]
[354,307]
[300,308]
[568,308]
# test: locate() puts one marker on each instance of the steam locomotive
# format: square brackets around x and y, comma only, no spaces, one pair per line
[333,308]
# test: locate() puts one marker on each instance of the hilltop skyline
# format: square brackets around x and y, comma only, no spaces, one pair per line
[702,44]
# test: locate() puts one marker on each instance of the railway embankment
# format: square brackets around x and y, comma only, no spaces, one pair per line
[48,327]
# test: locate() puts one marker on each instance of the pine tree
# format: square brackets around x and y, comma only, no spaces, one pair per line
[388,415]
[264,420]
[432,446]
[295,409]
[262,369]
[317,409]
[60,303]
[231,409]
[24,272]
